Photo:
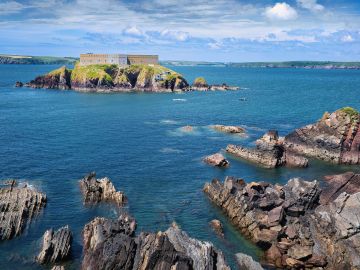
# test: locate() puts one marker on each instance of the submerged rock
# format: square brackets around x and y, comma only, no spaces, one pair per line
[334,138]
[229,129]
[291,224]
[111,244]
[217,226]
[217,160]
[269,152]
[56,246]
[17,208]
[19,84]
[100,190]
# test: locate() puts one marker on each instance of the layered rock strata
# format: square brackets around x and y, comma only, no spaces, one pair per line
[269,153]
[100,190]
[112,244]
[334,138]
[18,206]
[289,223]
[56,246]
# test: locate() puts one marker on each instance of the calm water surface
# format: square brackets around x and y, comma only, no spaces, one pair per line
[52,138]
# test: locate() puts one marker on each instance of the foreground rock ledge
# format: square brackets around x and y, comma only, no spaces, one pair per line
[100,190]
[56,246]
[112,244]
[18,205]
[291,225]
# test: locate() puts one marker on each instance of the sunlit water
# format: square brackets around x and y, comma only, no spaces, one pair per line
[53,138]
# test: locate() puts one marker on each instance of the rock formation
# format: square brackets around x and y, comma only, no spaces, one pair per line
[19,84]
[289,223]
[112,244]
[18,205]
[100,190]
[217,160]
[334,138]
[57,79]
[229,129]
[269,152]
[58,267]
[217,226]
[55,246]
[245,262]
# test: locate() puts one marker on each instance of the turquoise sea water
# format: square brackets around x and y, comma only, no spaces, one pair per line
[52,138]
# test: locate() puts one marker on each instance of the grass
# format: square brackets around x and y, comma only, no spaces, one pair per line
[353,113]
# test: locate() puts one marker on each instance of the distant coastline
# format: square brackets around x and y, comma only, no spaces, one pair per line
[51,60]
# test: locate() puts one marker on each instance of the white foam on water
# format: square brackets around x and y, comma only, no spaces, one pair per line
[169,150]
[168,122]
[179,99]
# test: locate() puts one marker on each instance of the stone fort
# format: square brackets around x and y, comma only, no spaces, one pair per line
[118,59]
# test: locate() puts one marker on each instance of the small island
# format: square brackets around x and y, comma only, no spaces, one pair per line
[119,73]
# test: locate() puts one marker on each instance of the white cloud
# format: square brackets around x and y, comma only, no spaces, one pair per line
[311,5]
[215,45]
[177,35]
[10,7]
[133,31]
[347,38]
[281,11]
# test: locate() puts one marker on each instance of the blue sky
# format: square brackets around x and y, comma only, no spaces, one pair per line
[222,30]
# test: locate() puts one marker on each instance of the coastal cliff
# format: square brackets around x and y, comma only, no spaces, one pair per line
[112,78]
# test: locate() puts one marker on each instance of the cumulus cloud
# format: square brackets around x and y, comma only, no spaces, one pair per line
[347,38]
[281,11]
[215,45]
[10,7]
[176,35]
[311,5]
[133,31]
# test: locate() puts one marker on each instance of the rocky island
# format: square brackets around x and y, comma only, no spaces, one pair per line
[107,78]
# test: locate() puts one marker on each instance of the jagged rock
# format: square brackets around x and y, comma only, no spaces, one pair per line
[217,226]
[272,216]
[58,267]
[269,152]
[18,205]
[245,262]
[55,246]
[336,184]
[217,160]
[100,190]
[111,244]
[334,138]
[229,129]
[19,84]
[57,79]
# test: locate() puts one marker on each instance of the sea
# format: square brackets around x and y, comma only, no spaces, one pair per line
[50,139]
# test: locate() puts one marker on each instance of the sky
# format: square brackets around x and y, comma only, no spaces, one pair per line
[197,30]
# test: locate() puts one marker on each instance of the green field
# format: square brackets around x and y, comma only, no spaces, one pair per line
[36,60]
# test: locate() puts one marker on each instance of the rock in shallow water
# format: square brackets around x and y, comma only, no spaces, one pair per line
[18,205]
[245,262]
[100,190]
[111,244]
[56,246]
[290,225]
[229,129]
[217,160]
[217,226]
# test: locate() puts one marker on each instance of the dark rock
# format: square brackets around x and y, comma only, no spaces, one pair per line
[111,244]
[100,190]
[17,207]
[55,246]
[334,138]
[57,79]
[19,84]
[217,160]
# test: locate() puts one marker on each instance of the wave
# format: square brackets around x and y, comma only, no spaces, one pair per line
[169,150]
[168,122]
[179,99]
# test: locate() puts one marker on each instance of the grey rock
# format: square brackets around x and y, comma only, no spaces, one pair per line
[245,262]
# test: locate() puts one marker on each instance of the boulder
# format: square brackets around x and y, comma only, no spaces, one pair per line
[18,206]
[100,190]
[217,160]
[229,129]
[217,226]
[334,138]
[112,244]
[19,84]
[56,246]
[245,262]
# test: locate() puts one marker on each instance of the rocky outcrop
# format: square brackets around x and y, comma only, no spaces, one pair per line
[217,226]
[291,225]
[269,153]
[334,138]
[58,267]
[19,84]
[217,160]
[112,244]
[348,182]
[55,246]
[18,205]
[245,262]
[57,79]
[100,190]
[229,129]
